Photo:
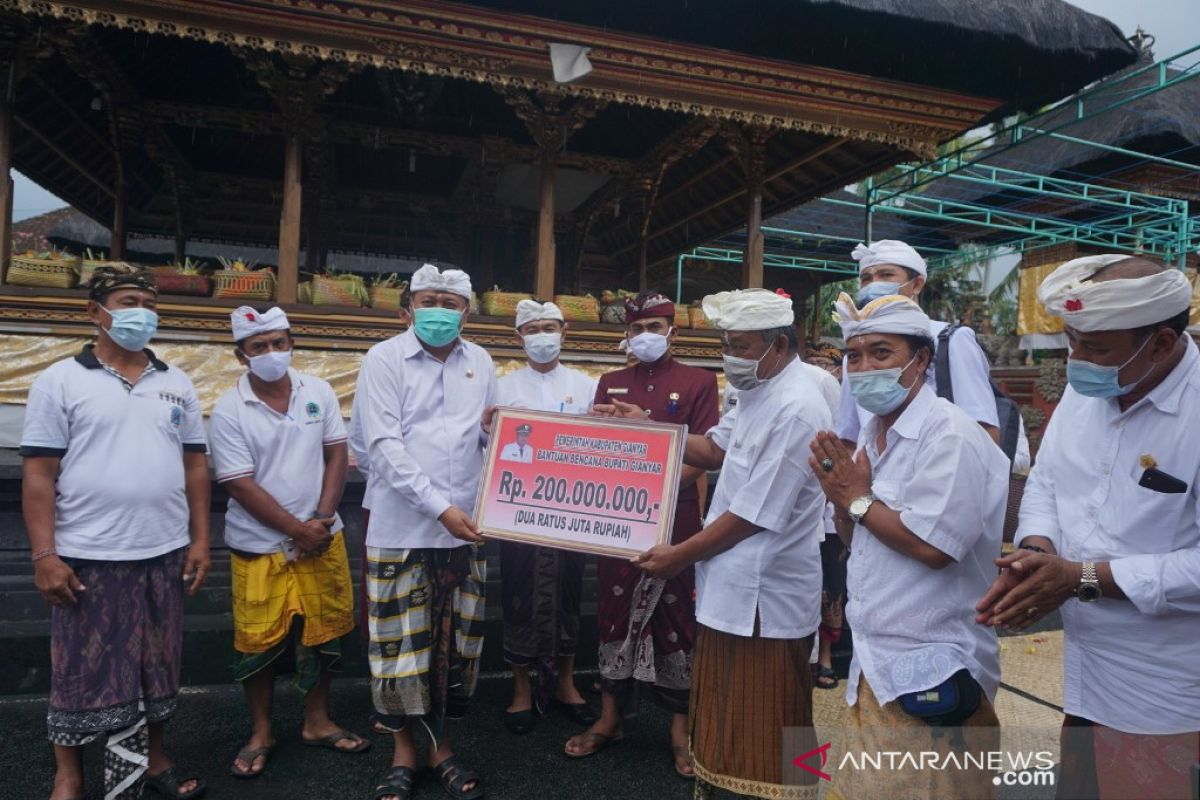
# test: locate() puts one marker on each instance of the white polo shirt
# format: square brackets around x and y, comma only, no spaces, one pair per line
[120,487]
[284,453]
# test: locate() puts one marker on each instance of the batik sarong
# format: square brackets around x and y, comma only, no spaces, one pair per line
[426,633]
[540,594]
[114,661]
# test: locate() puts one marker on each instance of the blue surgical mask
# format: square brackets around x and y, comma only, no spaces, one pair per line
[1095,380]
[878,289]
[542,348]
[132,328]
[437,327]
[879,391]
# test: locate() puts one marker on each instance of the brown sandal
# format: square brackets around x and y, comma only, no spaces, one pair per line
[598,740]
[678,751]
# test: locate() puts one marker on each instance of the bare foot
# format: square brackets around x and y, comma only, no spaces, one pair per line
[67,787]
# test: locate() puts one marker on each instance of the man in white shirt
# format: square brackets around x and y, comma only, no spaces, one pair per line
[519,450]
[921,506]
[279,447]
[541,587]
[423,396]
[1110,530]
[758,566]
[891,267]
[115,494]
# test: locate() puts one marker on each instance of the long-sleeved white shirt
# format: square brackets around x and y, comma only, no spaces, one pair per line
[1134,664]
[765,479]
[420,425]
[561,389]
[914,626]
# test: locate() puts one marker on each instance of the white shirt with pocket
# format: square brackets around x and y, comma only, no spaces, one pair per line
[914,626]
[120,488]
[421,429]
[1133,664]
[561,389]
[766,480]
[283,453]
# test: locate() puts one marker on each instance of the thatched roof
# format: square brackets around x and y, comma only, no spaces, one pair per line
[1025,52]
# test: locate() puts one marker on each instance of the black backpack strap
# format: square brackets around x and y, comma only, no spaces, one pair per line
[941,363]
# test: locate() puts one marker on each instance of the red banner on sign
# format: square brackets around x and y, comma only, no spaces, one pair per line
[589,484]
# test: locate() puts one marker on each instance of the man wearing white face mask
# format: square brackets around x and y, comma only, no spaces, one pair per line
[921,506]
[647,625]
[757,559]
[890,267]
[1110,531]
[279,448]
[541,587]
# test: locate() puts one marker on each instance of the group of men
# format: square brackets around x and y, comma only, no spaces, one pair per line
[718,625]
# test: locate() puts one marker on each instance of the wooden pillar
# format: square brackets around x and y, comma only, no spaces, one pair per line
[116,250]
[752,257]
[6,185]
[289,221]
[544,274]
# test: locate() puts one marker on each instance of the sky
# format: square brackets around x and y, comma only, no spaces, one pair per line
[1175,25]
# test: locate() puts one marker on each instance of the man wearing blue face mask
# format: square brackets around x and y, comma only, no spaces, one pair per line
[921,506]
[279,448]
[890,267]
[1110,530]
[423,396]
[541,586]
[115,496]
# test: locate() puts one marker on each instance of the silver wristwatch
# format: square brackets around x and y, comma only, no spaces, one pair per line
[859,507]
[1089,584]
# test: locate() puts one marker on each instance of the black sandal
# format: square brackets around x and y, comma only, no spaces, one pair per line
[519,722]
[396,782]
[454,775]
[168,781]
[826,674]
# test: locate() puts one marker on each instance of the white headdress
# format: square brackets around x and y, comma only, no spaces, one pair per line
[533,311]
[1116,305]
[247,322]
[452,280]
[891,314]
[749,310]
[888,251]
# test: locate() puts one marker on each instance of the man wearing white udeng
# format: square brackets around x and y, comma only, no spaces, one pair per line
[1110,531]
[921,506]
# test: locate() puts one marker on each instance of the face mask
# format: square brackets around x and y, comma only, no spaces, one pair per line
[437,327]
[877,289]
[542,348]
[271,366]
[1094,380]
[742,373]
[648,347]
[879,390]
[132,328]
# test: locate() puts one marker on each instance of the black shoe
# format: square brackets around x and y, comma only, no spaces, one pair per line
[579,713]
[519,722]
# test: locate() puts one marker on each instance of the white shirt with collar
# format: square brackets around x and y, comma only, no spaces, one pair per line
[914,626]
[1134,664]
[283,453]
[520,453]
[766,480]
[120,487]
[421,429]
[970,372]
[561,389]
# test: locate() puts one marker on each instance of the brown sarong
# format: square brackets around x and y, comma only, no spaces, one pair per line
[1100,763]
[745,691]
[871,728]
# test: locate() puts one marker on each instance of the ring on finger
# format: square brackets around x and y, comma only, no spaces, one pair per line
[827,464]
[1031,611]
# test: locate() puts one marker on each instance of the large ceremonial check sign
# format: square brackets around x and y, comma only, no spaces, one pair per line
[590,484]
